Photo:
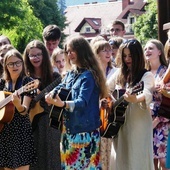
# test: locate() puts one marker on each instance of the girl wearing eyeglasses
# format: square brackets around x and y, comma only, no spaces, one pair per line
[103,52]
[47,139]
[16,140]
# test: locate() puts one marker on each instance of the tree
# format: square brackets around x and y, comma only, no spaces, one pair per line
[9,11]
[146,26]
[62,5]
[48,12]
[24,29]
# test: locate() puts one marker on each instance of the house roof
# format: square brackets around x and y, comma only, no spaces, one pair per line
[107,12]
[136,8]
[95,23]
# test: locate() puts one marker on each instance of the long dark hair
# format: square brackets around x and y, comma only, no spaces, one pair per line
[46,68]
[138,62]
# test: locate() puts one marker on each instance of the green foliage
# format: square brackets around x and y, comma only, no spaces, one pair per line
[9,11]
[25,29]
[48,12]
[146,26]
[24,20]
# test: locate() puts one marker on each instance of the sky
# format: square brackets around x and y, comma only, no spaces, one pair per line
[81,2]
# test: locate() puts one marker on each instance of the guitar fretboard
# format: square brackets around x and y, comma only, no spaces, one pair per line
[47,89]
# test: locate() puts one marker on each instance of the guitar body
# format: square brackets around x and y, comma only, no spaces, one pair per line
[112,129]
[7,109]
[6,112]
[56,112]
[115,120]
[114,116]
[37,109]
[164,109]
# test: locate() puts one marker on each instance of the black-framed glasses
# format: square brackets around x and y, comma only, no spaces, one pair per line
[12,64]
[130,41]
[38,55]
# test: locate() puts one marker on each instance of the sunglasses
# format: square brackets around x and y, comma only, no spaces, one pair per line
[130,41]
[113,43]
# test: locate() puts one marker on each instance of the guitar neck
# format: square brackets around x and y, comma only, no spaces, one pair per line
[137,88]
[47,89]
[117,102]
[5,101]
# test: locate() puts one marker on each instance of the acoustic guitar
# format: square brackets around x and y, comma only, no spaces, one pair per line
[6,106]
[164,108]
[116,114]
[57,112]
[35,107]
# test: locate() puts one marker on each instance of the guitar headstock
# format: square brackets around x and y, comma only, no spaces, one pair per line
[31,85]
[138,87]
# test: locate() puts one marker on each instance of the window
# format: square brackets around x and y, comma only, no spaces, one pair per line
[95,22]
[87,29]
[131,21]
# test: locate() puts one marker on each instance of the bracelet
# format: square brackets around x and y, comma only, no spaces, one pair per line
[64,105]
[23,110]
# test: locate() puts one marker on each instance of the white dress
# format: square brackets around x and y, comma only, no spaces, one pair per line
[133,145]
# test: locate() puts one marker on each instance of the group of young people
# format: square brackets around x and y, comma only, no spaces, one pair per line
[91,72]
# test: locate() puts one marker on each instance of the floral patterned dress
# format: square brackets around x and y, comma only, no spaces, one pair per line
[160,132]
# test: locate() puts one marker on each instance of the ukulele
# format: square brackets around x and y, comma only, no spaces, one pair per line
[6,106]
[116,118]
[35,107]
